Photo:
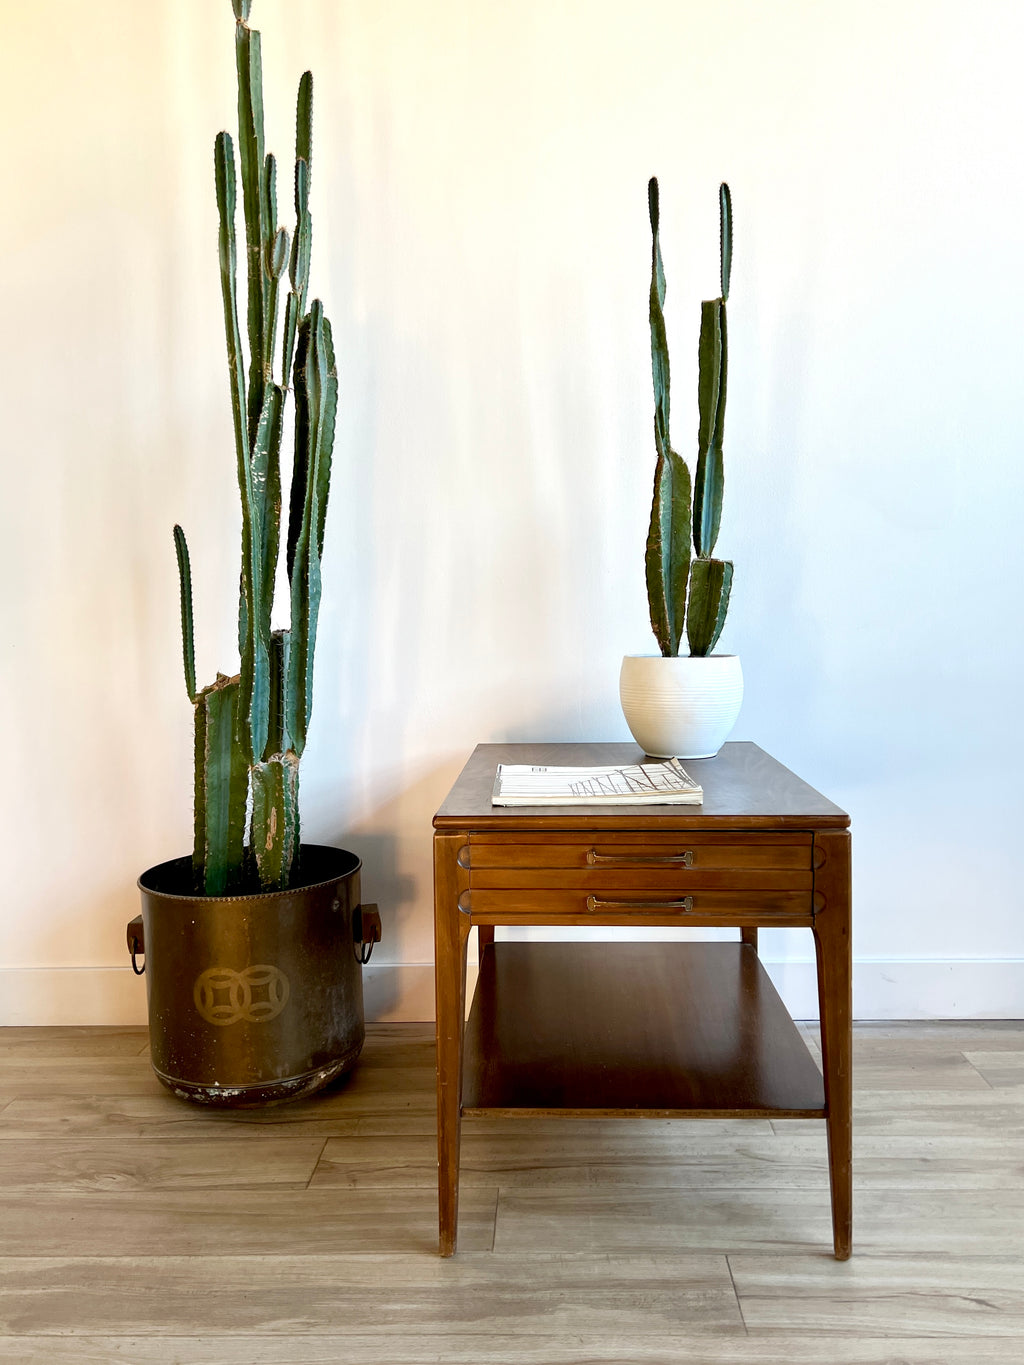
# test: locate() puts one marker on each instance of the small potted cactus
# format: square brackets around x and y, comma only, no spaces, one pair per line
[253,948]
[684,706]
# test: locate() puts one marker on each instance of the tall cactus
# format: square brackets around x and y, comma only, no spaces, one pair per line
[251,728]
[674,512]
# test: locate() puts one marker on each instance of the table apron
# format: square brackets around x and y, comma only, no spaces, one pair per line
[647,919]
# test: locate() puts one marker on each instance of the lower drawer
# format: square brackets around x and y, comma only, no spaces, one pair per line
[581,907]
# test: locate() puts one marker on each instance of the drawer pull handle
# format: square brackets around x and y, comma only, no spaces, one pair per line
[596,859]
[686,904]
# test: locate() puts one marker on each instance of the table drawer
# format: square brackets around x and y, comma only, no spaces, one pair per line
[683,852]
[576,906]
[639,877]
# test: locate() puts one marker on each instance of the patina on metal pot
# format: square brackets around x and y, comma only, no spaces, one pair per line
[254,999]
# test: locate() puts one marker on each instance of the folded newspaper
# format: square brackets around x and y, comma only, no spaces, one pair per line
[637,784]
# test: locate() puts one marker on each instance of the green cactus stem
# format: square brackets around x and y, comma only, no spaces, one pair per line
[689,594]
[302,241]
[224,166]
[221,788]
[316,402]
[251,728]
[274,836]
[709,481]
[711,391]
[249,65]
[668,539]
[278,736]
[188,647]
[710,585]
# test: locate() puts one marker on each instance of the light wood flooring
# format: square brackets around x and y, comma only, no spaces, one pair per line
[135,1228]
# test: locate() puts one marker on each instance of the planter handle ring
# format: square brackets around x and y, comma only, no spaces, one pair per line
[365,931]
[136,943]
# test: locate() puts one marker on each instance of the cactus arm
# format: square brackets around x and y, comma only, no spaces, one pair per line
[224,166]
[304,588]
[188,647]
[668,539]
[330,414]
[199,839]
[710,586]
[289,331]
[279,254]
[274,824]
[315,400]
[711,394]
[278,738]
[251,157]
[302,241]
[668,551]
[303,175]
[300,458]
[270,276]
[261,495]
[714,486]
[222,784]
[708,482]
[225,179]
[278,264]
[266,476]
[304,120]
[274,833]
[659,340]
[725,236]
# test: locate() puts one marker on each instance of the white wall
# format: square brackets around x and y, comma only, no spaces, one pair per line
[481,240]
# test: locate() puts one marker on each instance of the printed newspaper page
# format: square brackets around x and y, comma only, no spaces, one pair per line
[642,784]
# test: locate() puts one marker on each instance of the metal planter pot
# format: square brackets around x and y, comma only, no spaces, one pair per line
[254,999]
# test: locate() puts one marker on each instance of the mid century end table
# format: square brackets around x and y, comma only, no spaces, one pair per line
[645,1029]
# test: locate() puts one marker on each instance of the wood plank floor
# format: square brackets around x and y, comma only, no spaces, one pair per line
[136,1228]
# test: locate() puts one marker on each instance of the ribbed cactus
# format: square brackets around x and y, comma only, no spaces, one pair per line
[251,728]
[677,508]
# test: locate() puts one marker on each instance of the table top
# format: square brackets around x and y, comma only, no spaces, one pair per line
[744,788]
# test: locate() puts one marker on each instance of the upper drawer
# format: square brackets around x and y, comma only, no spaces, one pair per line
[789,851]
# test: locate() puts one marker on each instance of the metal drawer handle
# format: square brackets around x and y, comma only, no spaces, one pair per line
[596,859]
[686,904]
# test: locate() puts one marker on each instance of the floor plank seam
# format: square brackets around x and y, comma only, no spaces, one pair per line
[316,1163]
[978,1072]
[736,1292]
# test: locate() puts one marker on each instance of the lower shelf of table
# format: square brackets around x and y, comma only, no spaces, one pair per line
[653,1030]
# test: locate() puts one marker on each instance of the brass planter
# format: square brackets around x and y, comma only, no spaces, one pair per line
[254,999]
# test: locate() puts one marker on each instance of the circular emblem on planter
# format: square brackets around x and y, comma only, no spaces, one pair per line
[254,995]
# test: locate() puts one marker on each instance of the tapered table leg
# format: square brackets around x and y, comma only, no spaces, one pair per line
[835,995]
[451,932]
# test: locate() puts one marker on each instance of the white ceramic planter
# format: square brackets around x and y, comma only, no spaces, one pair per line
[681,708]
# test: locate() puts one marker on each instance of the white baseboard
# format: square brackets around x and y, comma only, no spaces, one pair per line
[976,989]
[989,988]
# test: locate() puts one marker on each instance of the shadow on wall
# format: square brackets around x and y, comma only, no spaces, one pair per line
[571,723]
[381,878]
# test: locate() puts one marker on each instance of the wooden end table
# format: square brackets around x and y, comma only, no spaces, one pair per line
[651,1030]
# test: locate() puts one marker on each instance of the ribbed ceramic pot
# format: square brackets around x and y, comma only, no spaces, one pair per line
[681,708]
